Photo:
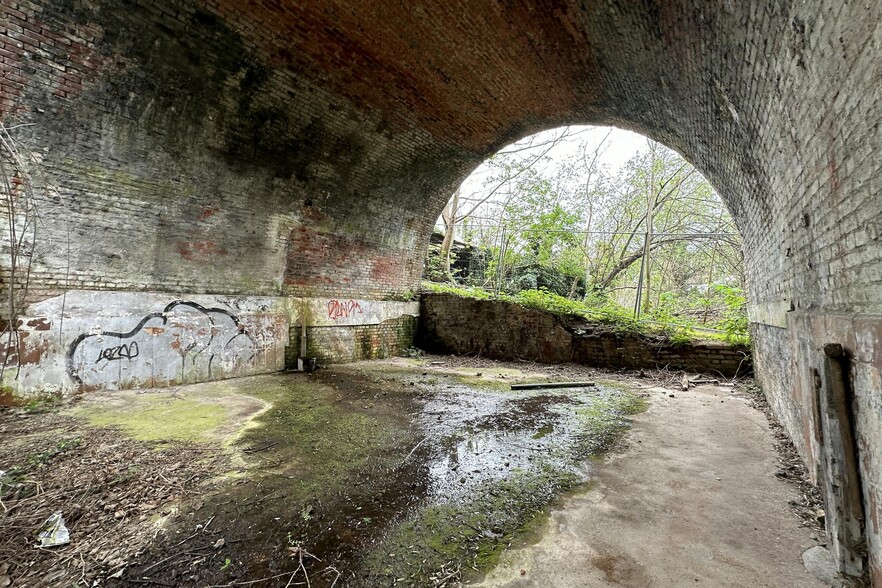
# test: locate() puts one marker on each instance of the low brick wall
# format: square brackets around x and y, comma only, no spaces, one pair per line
[504,330]
[354,343]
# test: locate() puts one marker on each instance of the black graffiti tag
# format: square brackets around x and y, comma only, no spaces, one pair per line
[131,351]
[123,351]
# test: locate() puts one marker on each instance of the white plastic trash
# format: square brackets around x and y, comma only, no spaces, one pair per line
[53,532]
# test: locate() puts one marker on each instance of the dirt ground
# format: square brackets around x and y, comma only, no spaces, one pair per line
[405,473]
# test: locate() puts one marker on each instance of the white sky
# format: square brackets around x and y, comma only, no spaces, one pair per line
[619,148]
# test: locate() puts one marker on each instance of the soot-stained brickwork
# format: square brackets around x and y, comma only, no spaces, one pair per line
[281,148]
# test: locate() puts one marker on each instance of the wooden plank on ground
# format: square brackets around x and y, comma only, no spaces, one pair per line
[541,385]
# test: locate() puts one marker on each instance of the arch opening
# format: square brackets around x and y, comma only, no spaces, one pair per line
[565,212]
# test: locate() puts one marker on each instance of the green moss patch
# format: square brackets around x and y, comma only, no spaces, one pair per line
[158,417]
[462,539]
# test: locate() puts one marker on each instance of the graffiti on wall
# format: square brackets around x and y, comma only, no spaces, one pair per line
[118,352]
[343,309]
[184,342]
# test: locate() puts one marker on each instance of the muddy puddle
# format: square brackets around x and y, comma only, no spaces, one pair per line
[385,474]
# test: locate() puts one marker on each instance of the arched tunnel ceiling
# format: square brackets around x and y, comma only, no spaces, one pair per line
[468,73]
[474,76]
[436,88]
[375,111]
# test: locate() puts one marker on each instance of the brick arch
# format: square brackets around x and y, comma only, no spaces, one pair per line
[208,147]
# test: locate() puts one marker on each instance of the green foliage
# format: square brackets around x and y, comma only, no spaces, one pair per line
[664,321]
[404,296]
[734,321]
[465,292]
[574,230]
[434,270]
[551,302]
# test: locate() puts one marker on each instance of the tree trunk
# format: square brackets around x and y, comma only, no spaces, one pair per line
[650,214]
[448,215]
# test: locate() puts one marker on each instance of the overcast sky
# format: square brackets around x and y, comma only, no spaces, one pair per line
[618,148]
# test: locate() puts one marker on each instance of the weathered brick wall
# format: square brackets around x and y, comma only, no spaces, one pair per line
[87,340]
[177,159]
[220,147]
[505,330]
[344,344]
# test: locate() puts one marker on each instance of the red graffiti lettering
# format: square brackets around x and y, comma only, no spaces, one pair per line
[343,308]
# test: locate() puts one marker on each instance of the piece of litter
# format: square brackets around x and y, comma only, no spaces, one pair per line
[219,543]
[53,532]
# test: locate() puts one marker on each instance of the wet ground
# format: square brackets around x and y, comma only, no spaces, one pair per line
[698,499]
[393,473]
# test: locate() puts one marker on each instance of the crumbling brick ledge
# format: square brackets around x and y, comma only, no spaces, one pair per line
[506,330]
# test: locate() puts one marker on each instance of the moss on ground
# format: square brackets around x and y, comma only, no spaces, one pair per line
[321,454]
[158,417]
[465,536]
[604,421]
[324,440]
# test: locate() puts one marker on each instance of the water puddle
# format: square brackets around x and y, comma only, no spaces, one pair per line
[393,475]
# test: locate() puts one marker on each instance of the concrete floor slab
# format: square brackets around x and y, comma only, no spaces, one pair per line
[693,501]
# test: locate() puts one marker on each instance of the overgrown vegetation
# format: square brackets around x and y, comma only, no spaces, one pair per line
[562,232]
[732,327]
[18,188]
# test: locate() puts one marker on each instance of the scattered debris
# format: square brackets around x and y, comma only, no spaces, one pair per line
[94,474]
[53,533]
[114,489]
[792,469]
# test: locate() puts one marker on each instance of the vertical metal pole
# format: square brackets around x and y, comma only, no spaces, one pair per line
[303,342]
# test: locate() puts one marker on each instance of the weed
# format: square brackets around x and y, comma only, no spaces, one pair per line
[42,403]
[41,459]
[125,476]
[677,328]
